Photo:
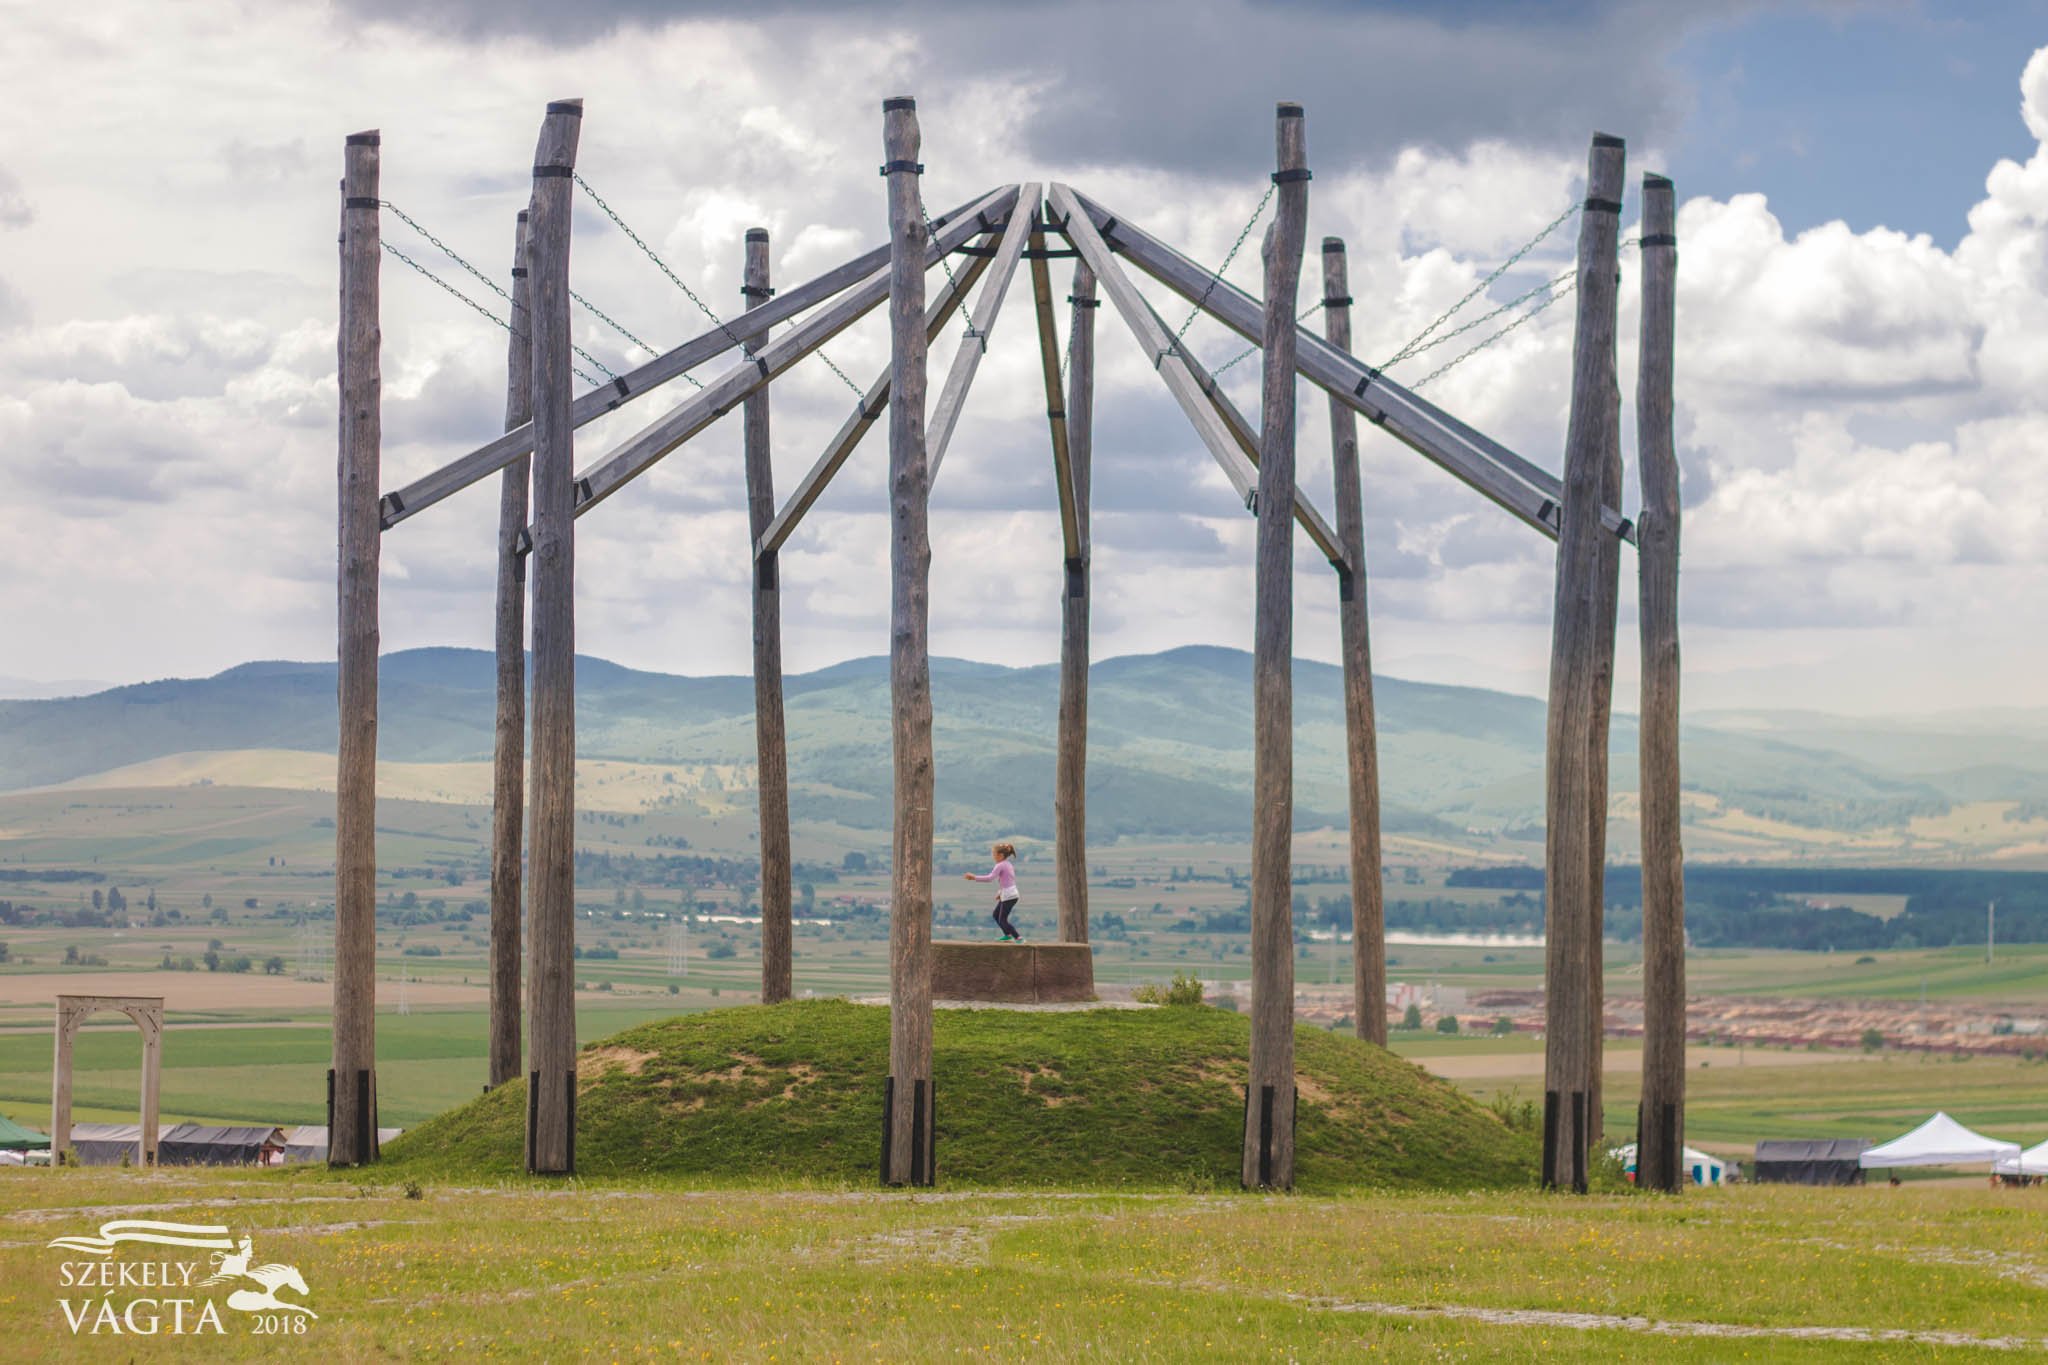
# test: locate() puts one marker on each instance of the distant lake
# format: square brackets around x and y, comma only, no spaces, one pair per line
[1407,939]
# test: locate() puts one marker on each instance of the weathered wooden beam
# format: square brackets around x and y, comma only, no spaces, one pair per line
[508,751]
[551,1102]
[1167,357]
[1361,744]
[489,458]
[1660,1125]
[771,750]
[1269,1108]
[1383,402]
[873,403]
[1572,885]
[353,1128]
[907,1155]
[1070,772]
[1246,437]
[642,451]
[945,415]
[1055,402]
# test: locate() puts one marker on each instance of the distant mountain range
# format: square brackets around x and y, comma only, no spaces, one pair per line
[1170,748]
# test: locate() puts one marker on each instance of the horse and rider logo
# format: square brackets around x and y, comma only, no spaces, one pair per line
[231,1261]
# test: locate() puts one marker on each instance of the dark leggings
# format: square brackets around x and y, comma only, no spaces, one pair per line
[1003,909]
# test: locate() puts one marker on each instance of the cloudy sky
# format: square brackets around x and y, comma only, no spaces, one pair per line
[1863,318]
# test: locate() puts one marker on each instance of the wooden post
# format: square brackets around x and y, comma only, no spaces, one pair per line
[1368,910]
[1070,774]
[353,1126]
[508,758]
[1571,888]
[151,1022]
[770,744]
[60,1086]
[1269,1101]
[907,1134]
[551,1074]
[1661,1120]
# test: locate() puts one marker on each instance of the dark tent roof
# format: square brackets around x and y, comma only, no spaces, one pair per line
[1811,1149]
[105,1144]
[205,1145]
[15,1138]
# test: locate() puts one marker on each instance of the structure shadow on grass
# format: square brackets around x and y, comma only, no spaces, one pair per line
[1098,1098]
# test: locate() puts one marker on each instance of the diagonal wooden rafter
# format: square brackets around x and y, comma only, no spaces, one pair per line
[1055,395]
[945,415]
[640,452]
[1190,386]
[872,405]
[1421,426]
[494,455]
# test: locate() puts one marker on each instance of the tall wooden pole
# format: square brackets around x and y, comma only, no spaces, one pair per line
[508,766]
[1571,888]
[551,1077]
[352,1084]
[1368,910]
[771,746]
[1269,1100]
[1070,774]
[907,1134]
[1661,1120]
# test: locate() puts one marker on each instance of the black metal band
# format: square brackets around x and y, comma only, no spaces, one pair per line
[1622,531]
[364,139]
[553,172]
[573,108]
[1660,239]
[394,503]
[522,215]
[1288,110]
[582,490]
[757,234]
[518,272]
[891,167]
[761,365]
[748,291]
[1603,206]
[361,201]
[1365,383]
[1607,140]
[896,102]
[985,252]
[522,543]
[1343,302]
[1290,177]
[1084,303]
[1056,416]
[619,383]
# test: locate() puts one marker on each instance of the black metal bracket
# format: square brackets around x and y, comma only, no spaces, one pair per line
[891,167]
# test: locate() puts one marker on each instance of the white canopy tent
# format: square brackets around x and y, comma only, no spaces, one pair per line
[1704,1167]
[1940,1141]
[2033,1161]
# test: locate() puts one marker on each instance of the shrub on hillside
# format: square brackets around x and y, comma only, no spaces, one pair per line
[1184,990]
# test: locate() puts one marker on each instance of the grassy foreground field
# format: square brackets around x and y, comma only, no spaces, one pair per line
[524,1270]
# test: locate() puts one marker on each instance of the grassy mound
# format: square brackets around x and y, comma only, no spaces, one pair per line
[1145,1098]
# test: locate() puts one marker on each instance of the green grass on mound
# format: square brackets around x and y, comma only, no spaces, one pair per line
[1144,1098]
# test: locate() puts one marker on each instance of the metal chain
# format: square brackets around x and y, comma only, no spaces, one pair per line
[1485,318]
[946,264]
[1216,275]
[844,378]
[452,254]
[1302,316]
[1570,283]
[676,280]
[581,373]
[1420,337]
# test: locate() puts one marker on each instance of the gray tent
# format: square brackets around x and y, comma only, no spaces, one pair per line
[198,1144]
[105,1144]
[1810,1161]
[308,1142]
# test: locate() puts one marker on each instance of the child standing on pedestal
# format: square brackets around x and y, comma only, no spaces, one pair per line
[1004,875]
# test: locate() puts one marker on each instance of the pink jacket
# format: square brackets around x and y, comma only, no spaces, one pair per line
[1005,878]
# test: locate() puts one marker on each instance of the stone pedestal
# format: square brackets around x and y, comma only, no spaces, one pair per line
[1012,973]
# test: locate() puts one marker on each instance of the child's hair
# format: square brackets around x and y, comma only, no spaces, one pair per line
[1004,850]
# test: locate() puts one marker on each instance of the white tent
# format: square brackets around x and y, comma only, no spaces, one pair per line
[2033,1161]
[1940,1141]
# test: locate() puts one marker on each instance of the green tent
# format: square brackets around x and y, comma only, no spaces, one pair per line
[15,1138]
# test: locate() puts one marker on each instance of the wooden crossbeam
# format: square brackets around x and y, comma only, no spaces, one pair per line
[872,405]
[1055,398]
[1414,423]
[494,455]
[640,452]
[945,415]
[1158,342]
[1247,438]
